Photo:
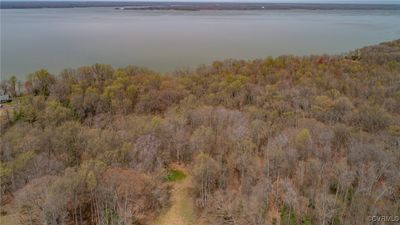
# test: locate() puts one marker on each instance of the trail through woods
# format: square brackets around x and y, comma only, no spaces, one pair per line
[181,211]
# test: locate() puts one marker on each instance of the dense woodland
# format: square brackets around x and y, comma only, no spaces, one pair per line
[286,140]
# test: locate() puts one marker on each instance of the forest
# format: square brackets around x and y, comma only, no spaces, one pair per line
[283,140]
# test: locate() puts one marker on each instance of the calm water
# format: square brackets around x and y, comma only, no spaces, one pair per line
[164,41]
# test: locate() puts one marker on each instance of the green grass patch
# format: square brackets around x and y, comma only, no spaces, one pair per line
[174,175]
[287,216]
[7,103]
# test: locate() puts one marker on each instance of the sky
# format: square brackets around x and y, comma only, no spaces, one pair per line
[272,1]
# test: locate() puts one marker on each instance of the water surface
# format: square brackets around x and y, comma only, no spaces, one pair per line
[167,40]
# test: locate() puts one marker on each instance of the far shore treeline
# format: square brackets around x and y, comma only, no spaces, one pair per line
[195,6]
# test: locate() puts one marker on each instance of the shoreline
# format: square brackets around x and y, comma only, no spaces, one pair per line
[195,6]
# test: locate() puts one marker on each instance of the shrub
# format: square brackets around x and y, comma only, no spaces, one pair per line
[341,137]
[288,216]
[302,139]
[371,119]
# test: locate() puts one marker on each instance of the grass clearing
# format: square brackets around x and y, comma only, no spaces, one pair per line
[174,175]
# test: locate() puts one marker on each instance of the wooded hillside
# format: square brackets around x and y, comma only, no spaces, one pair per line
[286,140]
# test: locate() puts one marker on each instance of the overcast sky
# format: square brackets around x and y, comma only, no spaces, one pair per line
[300,1]
[273,1]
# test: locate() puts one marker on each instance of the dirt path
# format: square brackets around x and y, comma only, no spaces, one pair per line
[181,211]
[11,218]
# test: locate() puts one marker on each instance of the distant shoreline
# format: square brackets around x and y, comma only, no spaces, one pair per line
[194,6]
